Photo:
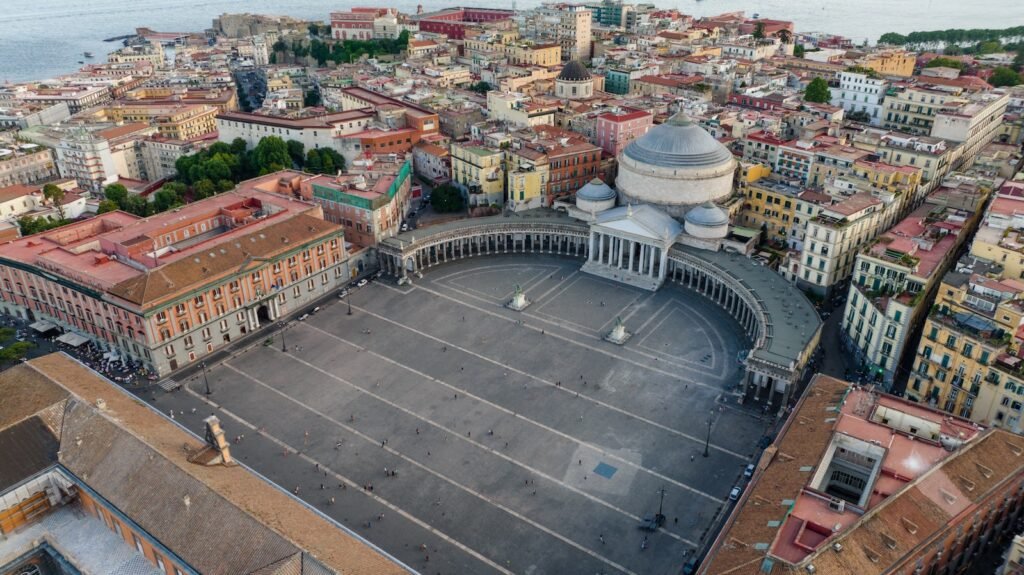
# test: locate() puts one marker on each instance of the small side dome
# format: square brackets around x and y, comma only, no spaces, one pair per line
[595,191]
[574,71]
[706,221]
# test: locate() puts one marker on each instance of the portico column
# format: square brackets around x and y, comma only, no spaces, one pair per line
[655,257]
[600,253]
[664,263]
[632,248]
[622,251]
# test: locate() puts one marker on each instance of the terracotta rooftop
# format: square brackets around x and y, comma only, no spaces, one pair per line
[16,191]
[783,516]
[256,527]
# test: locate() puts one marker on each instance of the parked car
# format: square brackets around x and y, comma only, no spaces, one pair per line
[734,494]
[303,317]
[362,282]
[749,471]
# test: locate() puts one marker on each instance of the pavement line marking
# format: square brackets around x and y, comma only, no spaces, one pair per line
[606,405]
[355,486]
[517,415]
[440,476]
[569,278]
[689,377]
[501,455]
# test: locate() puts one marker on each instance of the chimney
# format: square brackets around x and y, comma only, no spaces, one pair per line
[215,438]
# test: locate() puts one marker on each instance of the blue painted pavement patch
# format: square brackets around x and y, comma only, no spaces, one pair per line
[605,470]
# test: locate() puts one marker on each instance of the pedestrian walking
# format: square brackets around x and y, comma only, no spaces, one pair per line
[330,501]
[601,537]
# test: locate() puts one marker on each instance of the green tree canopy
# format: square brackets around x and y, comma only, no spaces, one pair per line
[296,150]
[55,195]
[116,193]
[817,91]
[759,31]
[446,198]
[16,350]
[1004,77]
[945,63]
[271,154]
[107,206]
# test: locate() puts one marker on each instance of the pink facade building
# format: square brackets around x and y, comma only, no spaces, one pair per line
[615,130]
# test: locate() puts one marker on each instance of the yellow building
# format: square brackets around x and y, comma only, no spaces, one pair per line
[480,172]
[527,180]
[508,44]
[770,206]
[178,122]
[890,62]
[966,361]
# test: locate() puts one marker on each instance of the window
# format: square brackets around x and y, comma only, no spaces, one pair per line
[138,544]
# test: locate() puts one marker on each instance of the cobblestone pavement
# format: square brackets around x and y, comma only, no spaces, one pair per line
[522,442]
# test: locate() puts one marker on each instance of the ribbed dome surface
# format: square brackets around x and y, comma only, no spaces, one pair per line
[707,215]
[678,143]
[595,191]
[574,71]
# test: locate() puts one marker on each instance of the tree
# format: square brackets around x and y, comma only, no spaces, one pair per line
[759,31]
[337,161]
[296,150]
[817,91]
[271,154]
[238,146]
[117,194]
[481,87]
[311,98]
[107,206]
[313,163]
[952,50]
[785,36]
[945,63]
[989,47]
[799,50]
[203,189]
[16,350]
[1018,60]
[55,195]
[166,198]
[137,205]
[1004,77]
[446,198]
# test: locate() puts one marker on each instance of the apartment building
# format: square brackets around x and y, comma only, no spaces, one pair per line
[616,129]
[889,62]
[149,53]
[770,206]
[894,276]
[1000,238]
[834,234]
[369,200]
[479,171]
[574,36]
[912,109]
[861,96]
[26,164]
[168,290]
[174,121]
[833,161]
[968,359]
[863,483]
[527,179]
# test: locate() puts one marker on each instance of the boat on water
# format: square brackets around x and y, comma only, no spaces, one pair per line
[87,54]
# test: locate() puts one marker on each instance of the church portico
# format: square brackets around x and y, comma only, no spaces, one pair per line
[631,245]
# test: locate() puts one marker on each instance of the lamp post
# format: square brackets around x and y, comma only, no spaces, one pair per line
[205,379]
[348,299]
[707,440]
[284,348]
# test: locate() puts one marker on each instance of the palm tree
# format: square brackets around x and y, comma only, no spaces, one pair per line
[785,35]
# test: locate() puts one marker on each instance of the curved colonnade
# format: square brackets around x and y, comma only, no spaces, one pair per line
[770,374]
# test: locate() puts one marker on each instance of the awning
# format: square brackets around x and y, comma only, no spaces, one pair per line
[43,326]
[73,339]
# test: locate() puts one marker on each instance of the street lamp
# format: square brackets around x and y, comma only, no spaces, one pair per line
[348,299]
[284,348]
[707,441]
[205,379]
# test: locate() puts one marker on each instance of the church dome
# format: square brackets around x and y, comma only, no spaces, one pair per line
[574,71]
[678,143]
[675,166]
[595,191]
[595,196]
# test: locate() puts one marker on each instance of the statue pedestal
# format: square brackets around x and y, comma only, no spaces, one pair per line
[618,335]
[518,302]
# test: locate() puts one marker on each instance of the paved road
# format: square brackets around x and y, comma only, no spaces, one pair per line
[521,440]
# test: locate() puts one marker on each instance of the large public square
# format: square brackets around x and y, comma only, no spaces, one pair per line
[521,442]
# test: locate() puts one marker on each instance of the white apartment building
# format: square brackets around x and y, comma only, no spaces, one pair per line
[574,34]
[861,95]
[832,238]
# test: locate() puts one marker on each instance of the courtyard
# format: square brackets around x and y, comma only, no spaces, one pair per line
[462,437]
